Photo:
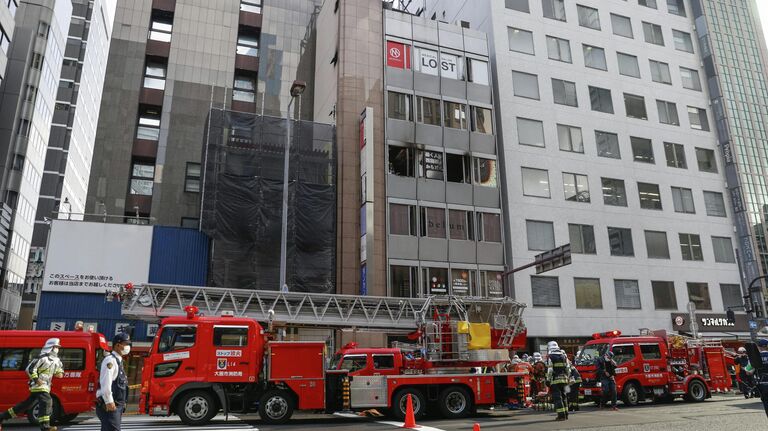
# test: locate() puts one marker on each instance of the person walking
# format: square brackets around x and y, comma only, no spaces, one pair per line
[746,380]
[606,372]
[41,371]
[558,373]
[762,373]
[573,396]
[113,385]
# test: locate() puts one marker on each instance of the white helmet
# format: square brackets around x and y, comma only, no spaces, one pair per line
[49,345]
[536,356]
[552,346]
[742,350]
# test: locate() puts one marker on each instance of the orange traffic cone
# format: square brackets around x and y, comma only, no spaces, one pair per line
[476,427]
[410,418]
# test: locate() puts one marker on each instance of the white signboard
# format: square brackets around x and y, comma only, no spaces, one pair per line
[449,66]
[94,257]
[427,61]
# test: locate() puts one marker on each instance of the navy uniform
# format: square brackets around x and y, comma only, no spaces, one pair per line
[763,375]
[113,385]
[558,374]
[573,396]
[41,372]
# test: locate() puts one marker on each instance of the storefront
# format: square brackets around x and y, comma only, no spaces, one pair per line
[715,326]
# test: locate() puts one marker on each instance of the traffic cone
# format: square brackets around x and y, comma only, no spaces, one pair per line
[476,427]
[410,418]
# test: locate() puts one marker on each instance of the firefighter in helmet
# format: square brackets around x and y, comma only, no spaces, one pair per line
[41,371]
[558,374]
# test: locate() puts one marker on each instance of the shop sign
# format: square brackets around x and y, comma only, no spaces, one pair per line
[710,322]
[398,55]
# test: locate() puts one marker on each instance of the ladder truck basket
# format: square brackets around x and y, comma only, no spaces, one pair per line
[396,315]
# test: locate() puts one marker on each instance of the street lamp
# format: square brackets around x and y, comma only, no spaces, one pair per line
[297,88]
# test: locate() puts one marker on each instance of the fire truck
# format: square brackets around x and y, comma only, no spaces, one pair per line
[211,353]
[655,366]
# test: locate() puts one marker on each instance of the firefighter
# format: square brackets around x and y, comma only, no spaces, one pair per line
[41,371]
[606,372]
[113,384]
[558,373]
[573,396]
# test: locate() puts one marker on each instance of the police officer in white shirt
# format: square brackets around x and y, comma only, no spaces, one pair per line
[113,384]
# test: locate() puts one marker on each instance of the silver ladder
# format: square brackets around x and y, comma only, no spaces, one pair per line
[155,301]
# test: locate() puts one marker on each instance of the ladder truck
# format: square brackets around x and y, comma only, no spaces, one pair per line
[218,350]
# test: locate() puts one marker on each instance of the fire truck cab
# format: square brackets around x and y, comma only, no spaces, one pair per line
[655,366]
[72,394]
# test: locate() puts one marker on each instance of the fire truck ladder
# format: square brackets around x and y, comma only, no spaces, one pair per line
[154,301]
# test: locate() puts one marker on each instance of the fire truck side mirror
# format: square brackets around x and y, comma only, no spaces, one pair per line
[730,316]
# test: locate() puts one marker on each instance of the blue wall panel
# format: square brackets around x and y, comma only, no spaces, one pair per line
[85,307]
[179,256]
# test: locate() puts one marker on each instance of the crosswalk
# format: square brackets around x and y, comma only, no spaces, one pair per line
[145,423]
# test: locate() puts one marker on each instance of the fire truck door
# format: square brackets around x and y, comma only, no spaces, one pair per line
[626,362]
[231,358]
[654,364]
[175,361]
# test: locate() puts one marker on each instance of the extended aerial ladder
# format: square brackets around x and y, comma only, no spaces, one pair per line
[404,315]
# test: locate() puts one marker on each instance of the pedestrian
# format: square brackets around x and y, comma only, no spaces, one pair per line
[762,373]
[746,380]
[573,396]
[606,371]
[41,371]
[113,384]
[558,373]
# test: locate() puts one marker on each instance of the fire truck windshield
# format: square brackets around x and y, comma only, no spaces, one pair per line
[176,338]
[590,353]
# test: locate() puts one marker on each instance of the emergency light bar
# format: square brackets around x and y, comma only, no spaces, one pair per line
[609,334]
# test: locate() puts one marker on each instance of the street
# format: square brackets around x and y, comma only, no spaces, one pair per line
[717,413]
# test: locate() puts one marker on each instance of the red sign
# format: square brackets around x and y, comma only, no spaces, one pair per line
[398,55]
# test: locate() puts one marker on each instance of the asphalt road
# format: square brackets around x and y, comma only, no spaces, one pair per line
[719,413]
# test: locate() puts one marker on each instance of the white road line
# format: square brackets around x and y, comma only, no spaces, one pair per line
[394,424]
[148,423]
[400,425]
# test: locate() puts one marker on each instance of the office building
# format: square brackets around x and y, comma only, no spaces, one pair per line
[609,144]
[170,63]
[26,112]
[419,208]
[73,131]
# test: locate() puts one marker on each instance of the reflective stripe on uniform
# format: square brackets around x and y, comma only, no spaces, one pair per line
[11,412]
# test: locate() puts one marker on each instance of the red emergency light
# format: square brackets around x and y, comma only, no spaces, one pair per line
[191,311]
[609,334]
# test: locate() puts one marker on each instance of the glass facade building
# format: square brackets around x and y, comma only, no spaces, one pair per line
[734,57]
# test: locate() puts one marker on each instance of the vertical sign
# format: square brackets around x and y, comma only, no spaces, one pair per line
[398,55]
[366,195]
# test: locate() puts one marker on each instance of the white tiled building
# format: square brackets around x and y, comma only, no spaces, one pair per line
[608,143]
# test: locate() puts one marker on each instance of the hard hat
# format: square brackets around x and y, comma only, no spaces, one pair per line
[552,345]
[50,344]
[536,355]
[742,350]
[763,342]
[121,337]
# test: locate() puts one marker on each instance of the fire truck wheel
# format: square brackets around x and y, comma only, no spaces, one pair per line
[455,402]
[400,402]
[631,394]
[697,392]
[196,408]
[276,406]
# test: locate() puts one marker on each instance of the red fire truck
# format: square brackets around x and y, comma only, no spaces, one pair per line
[655,366]
[72,394]
[200,365]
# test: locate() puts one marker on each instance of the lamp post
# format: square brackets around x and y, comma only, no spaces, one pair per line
[297,88]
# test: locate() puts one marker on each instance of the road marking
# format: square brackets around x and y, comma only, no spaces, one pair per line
[394,424]
[145,423]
